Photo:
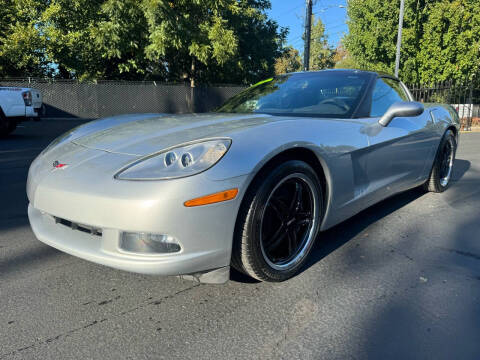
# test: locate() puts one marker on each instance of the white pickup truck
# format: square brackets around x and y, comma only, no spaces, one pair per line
[18,104]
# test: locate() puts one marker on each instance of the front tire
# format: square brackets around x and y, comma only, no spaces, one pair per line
[278,222]
[442,169]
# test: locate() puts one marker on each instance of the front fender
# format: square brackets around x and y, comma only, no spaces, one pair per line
[332,142]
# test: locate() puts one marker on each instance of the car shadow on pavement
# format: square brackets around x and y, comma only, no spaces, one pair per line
[37,254]
[437,314]
[330,240]
[459,169]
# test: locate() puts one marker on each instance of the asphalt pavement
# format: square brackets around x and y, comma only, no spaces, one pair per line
[400,280]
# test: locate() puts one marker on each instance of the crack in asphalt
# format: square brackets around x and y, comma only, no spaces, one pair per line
[96,322]
[104,302]
[463,253]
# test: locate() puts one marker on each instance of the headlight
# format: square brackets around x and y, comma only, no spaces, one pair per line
[182,161]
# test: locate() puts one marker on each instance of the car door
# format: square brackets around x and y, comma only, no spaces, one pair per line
[397,153]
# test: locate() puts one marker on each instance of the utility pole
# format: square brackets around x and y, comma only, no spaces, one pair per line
[308,26]
[399,37]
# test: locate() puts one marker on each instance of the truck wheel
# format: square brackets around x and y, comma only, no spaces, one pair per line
[12,125]
[4,125]
[41,113]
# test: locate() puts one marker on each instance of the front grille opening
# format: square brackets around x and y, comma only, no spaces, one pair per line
[80,227]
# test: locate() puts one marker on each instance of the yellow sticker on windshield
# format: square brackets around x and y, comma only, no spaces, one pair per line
[262,82]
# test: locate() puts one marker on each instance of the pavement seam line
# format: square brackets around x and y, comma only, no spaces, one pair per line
[95,322]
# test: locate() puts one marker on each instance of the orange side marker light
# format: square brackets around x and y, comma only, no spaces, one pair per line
[212,198]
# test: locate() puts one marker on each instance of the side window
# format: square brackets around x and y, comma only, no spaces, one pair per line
[385,93]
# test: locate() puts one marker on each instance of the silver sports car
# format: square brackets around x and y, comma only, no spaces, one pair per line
[251,185]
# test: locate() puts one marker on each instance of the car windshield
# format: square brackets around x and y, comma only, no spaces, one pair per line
[323,94]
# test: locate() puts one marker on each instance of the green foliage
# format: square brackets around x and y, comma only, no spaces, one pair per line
[197,30]
[21,46]
[321,54]
[96,39]
[451,42]
[290,61]
[259,43]
[441,38]
[197,40]
[343,59]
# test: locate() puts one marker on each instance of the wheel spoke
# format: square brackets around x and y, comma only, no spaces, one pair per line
[303,222]
[276,239]
[287,221]
[292,240]
[304,215]
[279,207]
[296,203]
[446,159]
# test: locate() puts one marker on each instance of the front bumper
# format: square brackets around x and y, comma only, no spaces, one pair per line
[205,233]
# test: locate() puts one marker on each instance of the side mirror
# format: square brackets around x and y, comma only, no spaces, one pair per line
[401,109]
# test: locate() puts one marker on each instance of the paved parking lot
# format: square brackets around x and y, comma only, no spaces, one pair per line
[400,280]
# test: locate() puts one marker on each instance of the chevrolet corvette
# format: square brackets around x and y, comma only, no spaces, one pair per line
[251,185]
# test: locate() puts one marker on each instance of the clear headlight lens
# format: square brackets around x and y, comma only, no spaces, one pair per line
[186,160]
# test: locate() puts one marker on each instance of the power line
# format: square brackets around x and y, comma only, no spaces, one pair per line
[327,29]
[289,11]
[322,10]
[336,26]
[338,32]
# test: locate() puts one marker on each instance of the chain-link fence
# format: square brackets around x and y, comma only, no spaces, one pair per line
[464,96]
[70,98]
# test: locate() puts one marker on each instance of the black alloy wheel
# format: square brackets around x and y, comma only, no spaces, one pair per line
[278,222]
[441,173]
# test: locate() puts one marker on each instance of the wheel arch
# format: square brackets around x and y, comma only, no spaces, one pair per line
[302,153]
[294,152]
[455,131]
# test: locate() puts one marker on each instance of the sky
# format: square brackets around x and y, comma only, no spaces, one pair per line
[291,14]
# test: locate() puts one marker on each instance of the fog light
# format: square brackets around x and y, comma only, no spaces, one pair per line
[145,243]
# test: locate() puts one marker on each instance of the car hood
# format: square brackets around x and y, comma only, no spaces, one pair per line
[142,135]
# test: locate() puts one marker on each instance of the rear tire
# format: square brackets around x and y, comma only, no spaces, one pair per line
[41,113]
[441,173]
[12,125]
[278,222]
[4,125]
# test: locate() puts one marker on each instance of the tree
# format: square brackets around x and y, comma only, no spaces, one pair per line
[195,30]
[21,45]
[290,61]
[96,39]
[343,59]
[195,40]
[451,42]
[440,37]
[221,41]
[321,54]
[260,42]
